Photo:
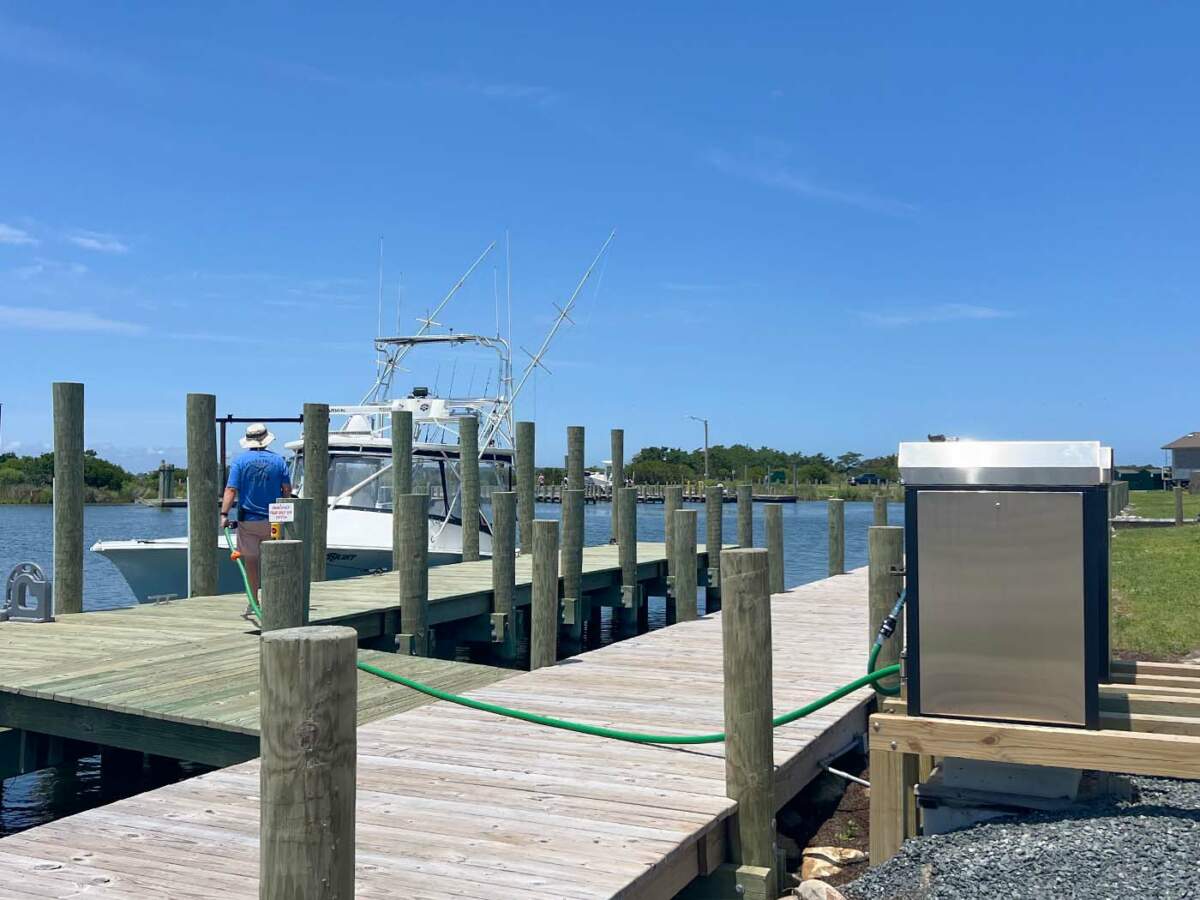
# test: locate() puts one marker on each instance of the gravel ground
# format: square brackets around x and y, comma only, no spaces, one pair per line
[1145,847]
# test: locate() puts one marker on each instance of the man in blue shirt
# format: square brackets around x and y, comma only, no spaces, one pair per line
[257,479]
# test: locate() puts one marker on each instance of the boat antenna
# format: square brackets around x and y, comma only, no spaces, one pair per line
[564,315]
[399,299]
[379,311]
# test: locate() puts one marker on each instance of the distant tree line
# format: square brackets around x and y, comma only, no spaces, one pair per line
[29,478]
[667,465]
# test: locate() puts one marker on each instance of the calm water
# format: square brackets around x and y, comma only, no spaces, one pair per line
[25,536]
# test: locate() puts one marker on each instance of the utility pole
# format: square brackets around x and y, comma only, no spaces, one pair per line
[705,421]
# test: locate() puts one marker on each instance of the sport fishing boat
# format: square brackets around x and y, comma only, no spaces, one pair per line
[359,531]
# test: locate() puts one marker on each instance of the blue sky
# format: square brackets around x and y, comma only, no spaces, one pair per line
[838,227]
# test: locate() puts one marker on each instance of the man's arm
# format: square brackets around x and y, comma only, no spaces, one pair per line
[227,502]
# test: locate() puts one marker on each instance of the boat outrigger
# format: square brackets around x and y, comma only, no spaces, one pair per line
[359,536]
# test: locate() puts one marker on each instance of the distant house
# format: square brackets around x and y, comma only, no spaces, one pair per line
[1185,457]
[1140,478]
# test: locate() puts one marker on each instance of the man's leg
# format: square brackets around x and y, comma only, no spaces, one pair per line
[250,538]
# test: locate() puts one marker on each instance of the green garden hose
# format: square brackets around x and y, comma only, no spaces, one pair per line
[634,737]
[886,629]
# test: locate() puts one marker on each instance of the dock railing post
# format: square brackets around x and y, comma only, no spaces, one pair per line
[837,536]
[683,547]
[1178,504]
[301,529]
[402,433]
[774,529]
[672,501]
[618,479]
[413,574]
[67,511]
[203,495]
[885,559]
[468,461]
[544,612]
[572,564]
[316,480]
[575,445]
[714,516]
[626,617]
[504,572]
[749,762]
[284,603]
[745,516]
[525,477]
[308,712]
[881,509]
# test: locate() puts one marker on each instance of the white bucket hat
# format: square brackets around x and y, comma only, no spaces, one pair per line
[256,437]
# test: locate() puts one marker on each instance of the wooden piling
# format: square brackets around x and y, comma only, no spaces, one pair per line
[67,511]
[837,536]
[885,559]
[745,516]
[301,529]
[316,480]
[284,604]
[543,634]
[627,613]
[572,564]
[468,452]
[881,509]
[575,449]
[1178,504]
[749,762]
[774,529]
[714,514]
[504,572]
[525,480]
[308,713]
[672,501]
[413,570]
[203,494]
[684,549]
[618,479]
[402,470]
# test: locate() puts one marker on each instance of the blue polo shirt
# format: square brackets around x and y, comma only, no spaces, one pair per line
[258,476]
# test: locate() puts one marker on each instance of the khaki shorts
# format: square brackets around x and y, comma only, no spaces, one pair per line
[250,536]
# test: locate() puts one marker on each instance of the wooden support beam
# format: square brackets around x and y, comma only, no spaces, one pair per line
[468,461]
[543,640]
[774,529]
[626,614]
[684,549]
[571,564]
[203,495]
[887,804]
[1132,667]
[67,510]
[714,514]
[1135,753]
[745,515]
[402,435]
[837,536]
[618,478]
[504,573]
[524,452]
[413,573]
[284,601]
[301,529]
[316,480]
[880,510]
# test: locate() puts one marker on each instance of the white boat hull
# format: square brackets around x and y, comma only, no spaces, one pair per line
[157,569]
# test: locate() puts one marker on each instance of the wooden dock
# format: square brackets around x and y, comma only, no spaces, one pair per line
[454,802]
[180,678]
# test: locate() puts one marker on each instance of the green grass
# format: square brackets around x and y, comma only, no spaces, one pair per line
[1156,591]
[1161,504]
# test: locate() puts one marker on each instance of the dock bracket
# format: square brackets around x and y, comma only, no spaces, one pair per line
[499,627]
[669,581]
[714,577]
[570,611]
[630,594]
[28,596]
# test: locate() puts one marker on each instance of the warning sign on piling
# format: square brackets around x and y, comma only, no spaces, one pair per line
[281,512]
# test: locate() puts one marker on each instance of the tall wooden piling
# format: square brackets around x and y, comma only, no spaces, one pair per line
[1178,504]
[714,515]
[618,479]
[749,762]
[203,493]
[301,529]
[745,515]
[543,630]
[402,470]
[837,536]
[626,617]
[881,509]
[774,529]
[316,480]
[308,712]
[413,570]
[525,495]
[572,564]
[504,572]
[683,547]
[575,450]
[672,501]
[284,604]
[67,512]
[468,452]
[885,558]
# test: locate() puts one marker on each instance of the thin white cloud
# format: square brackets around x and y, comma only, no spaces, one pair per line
[772,173]
[942,312]
[98,241]
[514,91]
[32,318]
[10,234]
[32,46]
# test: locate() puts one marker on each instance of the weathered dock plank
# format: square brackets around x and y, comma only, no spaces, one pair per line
[457,803]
